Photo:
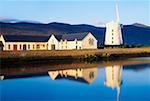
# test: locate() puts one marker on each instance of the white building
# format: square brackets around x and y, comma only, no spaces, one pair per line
[114,77]
[113,35]
[54,42]
[87,75]
[72,41]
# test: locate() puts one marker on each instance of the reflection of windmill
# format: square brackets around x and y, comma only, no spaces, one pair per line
[113,78]
[113,35]
[87,75]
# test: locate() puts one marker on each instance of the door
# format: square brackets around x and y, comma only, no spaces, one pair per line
[24,47]
[53,47]
[15,47]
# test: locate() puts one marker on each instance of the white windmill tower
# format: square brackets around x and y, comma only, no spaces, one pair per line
[113,35]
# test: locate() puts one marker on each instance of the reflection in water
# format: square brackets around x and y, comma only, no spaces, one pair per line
[41,87]
[1,77]
[87,75]
[113,77]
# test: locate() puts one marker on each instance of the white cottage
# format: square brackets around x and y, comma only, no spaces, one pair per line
[72,41]
[23,42]
[53,42]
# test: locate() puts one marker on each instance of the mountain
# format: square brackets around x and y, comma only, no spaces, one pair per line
[140,25]
[133,34]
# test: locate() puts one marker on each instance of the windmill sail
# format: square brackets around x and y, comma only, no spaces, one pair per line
[117,12]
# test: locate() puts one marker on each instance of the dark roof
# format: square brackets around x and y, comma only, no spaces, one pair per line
[25,38]
[28,38]
[72,36]
[58,37]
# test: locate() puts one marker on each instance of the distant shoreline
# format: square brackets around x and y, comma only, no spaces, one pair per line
[62,55]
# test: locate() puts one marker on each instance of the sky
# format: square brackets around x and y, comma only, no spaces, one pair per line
[93,12]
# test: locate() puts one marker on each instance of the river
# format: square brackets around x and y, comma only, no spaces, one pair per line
[121,80]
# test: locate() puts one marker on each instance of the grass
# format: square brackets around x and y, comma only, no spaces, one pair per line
[91,55]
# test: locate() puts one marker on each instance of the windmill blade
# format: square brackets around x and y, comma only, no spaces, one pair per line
[117,11]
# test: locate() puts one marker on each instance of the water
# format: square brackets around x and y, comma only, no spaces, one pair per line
[116,81]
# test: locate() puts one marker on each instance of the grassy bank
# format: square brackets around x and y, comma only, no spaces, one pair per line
[88,55]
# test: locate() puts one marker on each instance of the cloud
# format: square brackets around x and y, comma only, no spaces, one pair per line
[99,23]
[12,20]
[3,19]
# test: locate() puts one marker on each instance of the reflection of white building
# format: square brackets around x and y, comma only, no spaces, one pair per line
[114,77]
[82,74]
[113,35]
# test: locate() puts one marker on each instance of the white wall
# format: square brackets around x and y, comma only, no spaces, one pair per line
[53,41]
[29,45]
[87,45]
[64,44]
[113,35]
[74,44]
[59,45]
[3,41]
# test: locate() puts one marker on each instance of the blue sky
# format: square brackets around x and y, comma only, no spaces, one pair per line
[94,12]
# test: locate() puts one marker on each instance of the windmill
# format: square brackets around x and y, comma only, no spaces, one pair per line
[113,34]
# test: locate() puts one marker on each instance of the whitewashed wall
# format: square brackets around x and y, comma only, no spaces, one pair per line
[59,45]
[29,45]
[86,44]
[113,35]
[3,41]
[52,41]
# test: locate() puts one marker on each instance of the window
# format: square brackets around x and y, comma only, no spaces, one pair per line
[9,46]
[33,46]
[43,45]
[76,47]
[20,47]
[112,41]
[47,46]
[28,46]
[112,34]
[112,30]
[38,46]
[112,38]
[91,41]
[91,75]
[76,42]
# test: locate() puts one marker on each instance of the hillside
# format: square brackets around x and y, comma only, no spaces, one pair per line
[133,34]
